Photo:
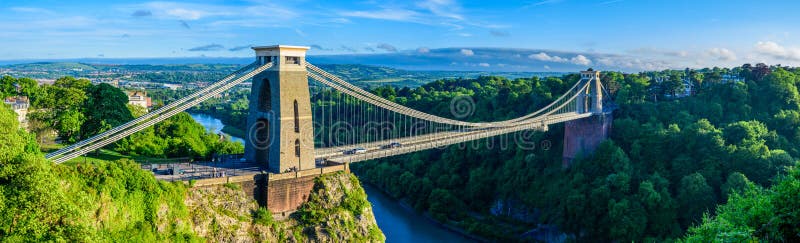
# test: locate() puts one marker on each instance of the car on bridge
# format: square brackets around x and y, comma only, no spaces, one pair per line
[355,151]
[392,145]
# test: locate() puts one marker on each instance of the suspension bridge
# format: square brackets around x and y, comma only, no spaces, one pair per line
[304,122]
[300,115]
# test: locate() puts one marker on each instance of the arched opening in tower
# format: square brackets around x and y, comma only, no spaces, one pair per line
[296,118]
[265,96]
[262,140]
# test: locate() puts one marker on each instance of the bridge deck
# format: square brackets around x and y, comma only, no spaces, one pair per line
[433,141]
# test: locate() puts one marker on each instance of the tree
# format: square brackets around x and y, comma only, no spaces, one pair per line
[178,136]
[7,86]
[28,87]
[712,78]
[32,204]
[697,79]
[780,91]
[627,219]
[136,111]
[695,197]
[612,81]
[755,215]
[673,85]
[61,107]
[106,107]
[736,183]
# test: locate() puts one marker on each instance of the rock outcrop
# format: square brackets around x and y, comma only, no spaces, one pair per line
[337,211]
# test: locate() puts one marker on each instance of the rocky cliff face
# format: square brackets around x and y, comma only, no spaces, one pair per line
[336,211]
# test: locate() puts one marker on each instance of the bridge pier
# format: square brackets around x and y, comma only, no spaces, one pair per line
[285,192]
[581,137]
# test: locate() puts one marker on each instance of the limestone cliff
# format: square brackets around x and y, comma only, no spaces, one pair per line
[336,211]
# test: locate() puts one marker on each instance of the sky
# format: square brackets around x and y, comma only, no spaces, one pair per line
[568,34]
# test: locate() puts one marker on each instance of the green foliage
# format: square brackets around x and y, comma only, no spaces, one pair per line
[695,197]
[355,201]
[263,216]
[61,107]
[336,203]
[99,201]
[106,107]
[671,160]
[232,186]
[178,136]
[76,109]
[314,211]
[755,214]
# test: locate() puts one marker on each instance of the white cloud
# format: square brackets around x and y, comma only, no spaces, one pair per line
[442,8]
[467,52]
[775,50]
[423,50]
[385,14]
[636,63]
[300,32]
[581,60]
[722,54]
[387,47]
[544,2]
[183,13]
[483,64]
[446,13]
[654,51]
[770,48]
[541,56]
[546,67]
[577,60]
[231,14]
[605,61]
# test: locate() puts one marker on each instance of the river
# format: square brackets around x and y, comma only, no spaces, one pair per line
[213,125]
[397,223]
[403,225]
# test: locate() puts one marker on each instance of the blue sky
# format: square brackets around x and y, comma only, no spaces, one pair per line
[612,33]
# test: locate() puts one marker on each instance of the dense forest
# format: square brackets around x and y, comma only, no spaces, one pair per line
[40,201]
[669,160]
[72,109]
[715,165]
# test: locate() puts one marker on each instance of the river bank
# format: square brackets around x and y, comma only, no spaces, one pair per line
[400,223]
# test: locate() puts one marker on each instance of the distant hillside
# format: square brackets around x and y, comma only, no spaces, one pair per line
[487,59]
[370,76]
[50,66]
[363,75]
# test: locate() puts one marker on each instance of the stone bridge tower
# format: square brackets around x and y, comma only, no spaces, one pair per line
[581,137]
[279,126]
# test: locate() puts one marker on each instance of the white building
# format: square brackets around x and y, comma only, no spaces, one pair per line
[139,98]
[20,105]
[731,78]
